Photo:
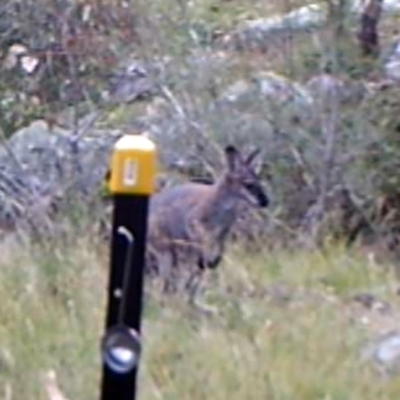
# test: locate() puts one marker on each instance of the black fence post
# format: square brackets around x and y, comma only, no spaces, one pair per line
[131,181]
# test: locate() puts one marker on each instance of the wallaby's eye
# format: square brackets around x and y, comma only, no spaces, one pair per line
[249,185]
[250,180]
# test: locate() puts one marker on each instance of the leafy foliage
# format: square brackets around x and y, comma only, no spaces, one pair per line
[69,58]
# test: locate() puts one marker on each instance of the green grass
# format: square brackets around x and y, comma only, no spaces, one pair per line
[283,331]
[50,316]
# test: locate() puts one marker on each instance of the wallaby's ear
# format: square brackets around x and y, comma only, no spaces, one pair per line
[252,156]
[232,157]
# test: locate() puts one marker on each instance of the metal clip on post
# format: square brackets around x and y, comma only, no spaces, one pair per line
[133,168]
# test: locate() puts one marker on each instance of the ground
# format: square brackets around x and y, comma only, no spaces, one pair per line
[291,325]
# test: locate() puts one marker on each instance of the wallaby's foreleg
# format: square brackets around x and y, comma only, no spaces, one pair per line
[209,246]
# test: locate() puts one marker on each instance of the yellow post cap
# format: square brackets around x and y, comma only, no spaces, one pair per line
[133,165]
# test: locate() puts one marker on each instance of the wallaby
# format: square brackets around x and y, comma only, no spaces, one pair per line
[189,223]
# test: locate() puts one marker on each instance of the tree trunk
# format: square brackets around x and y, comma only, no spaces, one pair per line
[368,35]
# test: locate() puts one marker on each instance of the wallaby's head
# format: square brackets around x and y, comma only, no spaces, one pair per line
[242,178]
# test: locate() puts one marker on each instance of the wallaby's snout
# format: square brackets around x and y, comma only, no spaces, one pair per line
[257,191]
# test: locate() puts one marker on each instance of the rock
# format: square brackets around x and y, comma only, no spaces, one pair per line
[282,90]
[392,65]
[252,33]
[391,6]
[40,166]
[258,33]
[132,82]
[329,91]
[268,86]
[48,156]
[236,93]
[324,87]
[260,109]
[385,352]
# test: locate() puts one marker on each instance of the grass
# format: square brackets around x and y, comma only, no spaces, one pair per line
[283,331]
[304,347]
[50,318]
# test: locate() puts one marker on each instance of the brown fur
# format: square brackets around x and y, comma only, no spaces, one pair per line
[189,223]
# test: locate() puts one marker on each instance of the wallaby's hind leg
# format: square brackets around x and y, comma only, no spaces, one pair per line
[167,269]
[194,287]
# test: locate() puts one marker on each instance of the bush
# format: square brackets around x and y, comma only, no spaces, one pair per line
[75,48]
